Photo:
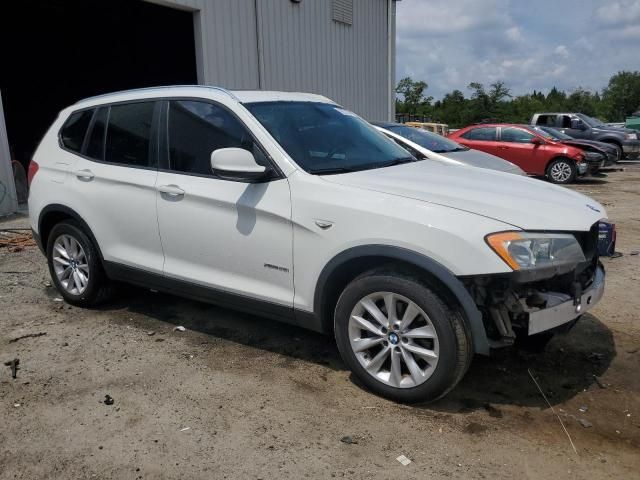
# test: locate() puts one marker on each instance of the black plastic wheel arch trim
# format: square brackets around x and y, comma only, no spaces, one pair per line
[473,317]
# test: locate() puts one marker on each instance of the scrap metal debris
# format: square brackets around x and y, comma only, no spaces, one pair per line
[16,240]
[108,400]
[13,364]
[179,329]
[403,460]
[349,440]
[585,423]
[28,335]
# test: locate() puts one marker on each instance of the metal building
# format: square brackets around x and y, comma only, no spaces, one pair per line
[343,49]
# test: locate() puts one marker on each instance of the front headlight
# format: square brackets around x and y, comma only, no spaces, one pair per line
[632,136]
[529,250]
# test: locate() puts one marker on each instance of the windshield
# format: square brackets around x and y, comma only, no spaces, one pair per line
[549,132]
[431,141]
[592,122]
[323,138]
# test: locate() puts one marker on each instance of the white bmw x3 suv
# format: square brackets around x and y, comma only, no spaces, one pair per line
[291,207]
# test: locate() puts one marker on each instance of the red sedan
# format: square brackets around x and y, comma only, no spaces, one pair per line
[527,148]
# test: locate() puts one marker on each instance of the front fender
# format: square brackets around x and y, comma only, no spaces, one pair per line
[473,317]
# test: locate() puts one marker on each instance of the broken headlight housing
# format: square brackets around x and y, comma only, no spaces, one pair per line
[531,250]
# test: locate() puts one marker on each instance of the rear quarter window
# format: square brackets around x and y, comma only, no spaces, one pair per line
[74,130]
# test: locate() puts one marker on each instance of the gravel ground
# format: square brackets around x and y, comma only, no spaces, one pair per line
[237,396]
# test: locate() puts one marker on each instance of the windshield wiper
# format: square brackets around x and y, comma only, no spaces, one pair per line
[330,170]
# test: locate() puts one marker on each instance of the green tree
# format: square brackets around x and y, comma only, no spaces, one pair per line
[622,95]
[412,95]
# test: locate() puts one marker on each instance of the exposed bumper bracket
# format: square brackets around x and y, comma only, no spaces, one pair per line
[562,308]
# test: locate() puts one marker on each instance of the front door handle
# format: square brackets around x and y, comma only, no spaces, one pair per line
[502,148]
[171,190]
[84,174]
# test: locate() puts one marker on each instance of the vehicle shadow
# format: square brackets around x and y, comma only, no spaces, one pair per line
[571,362]
[591,181]
[231,325]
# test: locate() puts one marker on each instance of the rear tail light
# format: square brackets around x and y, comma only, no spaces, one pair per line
[33,169]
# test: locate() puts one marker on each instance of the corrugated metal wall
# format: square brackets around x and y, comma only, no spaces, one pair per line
[283,45]
[304,49]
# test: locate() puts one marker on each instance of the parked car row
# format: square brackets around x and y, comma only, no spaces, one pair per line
[532,150]
[558,146]
[423,144]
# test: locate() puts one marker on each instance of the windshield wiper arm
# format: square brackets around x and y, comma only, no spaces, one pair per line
[330,170]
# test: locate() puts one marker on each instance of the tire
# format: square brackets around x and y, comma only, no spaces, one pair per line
[561,171]
[619,151]
[91,286]
[396,377]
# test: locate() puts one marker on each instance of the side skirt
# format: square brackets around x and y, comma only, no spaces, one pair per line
[193,291]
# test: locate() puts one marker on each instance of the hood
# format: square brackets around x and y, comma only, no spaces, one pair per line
[589,145]
[477,158]
[614,130]
[523,202]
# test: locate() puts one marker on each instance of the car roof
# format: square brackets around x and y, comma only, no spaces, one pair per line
[241,96]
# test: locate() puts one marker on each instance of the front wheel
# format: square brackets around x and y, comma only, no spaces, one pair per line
[561,171]
[400,338]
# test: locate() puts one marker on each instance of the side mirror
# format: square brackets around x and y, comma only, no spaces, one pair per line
[236,164]
[576,124]
[536,141]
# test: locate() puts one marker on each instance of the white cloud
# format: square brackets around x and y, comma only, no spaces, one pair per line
[562,51]
[619,13]
[514,33]
[530,46]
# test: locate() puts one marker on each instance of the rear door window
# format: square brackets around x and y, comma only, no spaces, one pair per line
[486,134]
[74,130]
[129,130]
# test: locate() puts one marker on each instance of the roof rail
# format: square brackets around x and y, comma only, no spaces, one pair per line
[146,89]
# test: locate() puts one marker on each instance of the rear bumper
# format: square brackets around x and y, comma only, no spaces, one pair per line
[562,308]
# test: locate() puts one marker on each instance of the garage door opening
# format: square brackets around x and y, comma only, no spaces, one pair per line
[56,52]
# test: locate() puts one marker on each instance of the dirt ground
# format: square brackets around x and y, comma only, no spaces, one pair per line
[237,396]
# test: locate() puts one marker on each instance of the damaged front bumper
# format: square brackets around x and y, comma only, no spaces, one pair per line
[561,308]
[522,304]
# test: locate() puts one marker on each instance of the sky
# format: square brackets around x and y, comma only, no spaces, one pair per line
[527,44]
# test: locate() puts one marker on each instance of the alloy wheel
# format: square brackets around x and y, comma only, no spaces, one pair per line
[70,264]
[561,171]
[393,339]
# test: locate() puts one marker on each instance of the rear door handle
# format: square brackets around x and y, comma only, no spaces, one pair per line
[171,190]
[84,174]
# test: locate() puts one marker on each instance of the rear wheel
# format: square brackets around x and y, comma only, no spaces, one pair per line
[74,265]
[400,338]
[562,171]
